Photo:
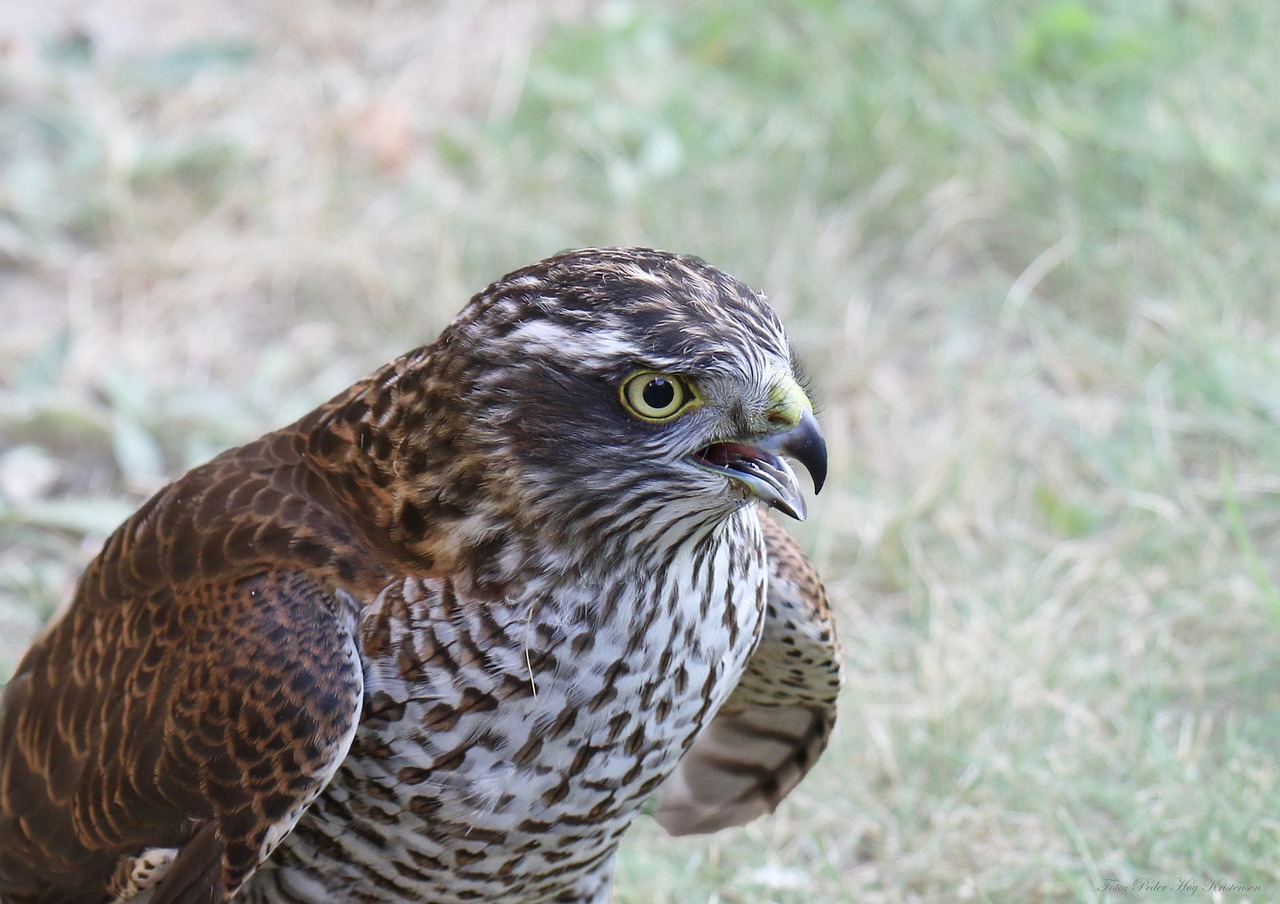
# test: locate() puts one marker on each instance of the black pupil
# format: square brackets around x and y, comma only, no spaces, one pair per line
[659,393]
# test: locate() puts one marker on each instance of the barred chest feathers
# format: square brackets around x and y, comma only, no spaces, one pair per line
[509,768]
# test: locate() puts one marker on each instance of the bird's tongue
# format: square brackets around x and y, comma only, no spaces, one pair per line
[725,455]
[768,476]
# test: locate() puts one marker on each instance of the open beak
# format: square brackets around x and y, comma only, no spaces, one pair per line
[762,470]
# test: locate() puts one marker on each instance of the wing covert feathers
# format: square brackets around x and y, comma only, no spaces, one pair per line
[777,721]
[188,706]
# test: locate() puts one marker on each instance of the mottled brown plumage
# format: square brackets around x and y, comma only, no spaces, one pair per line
[441,638]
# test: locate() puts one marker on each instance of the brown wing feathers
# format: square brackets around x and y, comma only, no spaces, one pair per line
[203,686]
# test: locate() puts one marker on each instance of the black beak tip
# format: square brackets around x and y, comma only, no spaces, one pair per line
[819,473]
[806,445]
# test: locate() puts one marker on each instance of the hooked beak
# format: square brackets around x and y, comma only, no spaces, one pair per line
[760,467]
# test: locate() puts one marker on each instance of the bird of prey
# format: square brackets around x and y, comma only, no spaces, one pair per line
[442,638]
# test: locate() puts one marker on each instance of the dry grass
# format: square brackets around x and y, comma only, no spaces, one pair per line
[1025,249]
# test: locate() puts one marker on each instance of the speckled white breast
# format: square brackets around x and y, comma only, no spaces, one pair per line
[505,747]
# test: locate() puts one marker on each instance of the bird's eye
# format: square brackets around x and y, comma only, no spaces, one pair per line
[656,397]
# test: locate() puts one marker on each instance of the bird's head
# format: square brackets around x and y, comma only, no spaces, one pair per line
[608,382]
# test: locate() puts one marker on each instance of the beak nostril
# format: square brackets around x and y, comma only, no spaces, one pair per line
[780,420]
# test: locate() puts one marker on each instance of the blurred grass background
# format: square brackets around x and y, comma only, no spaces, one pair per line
[1027,250]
